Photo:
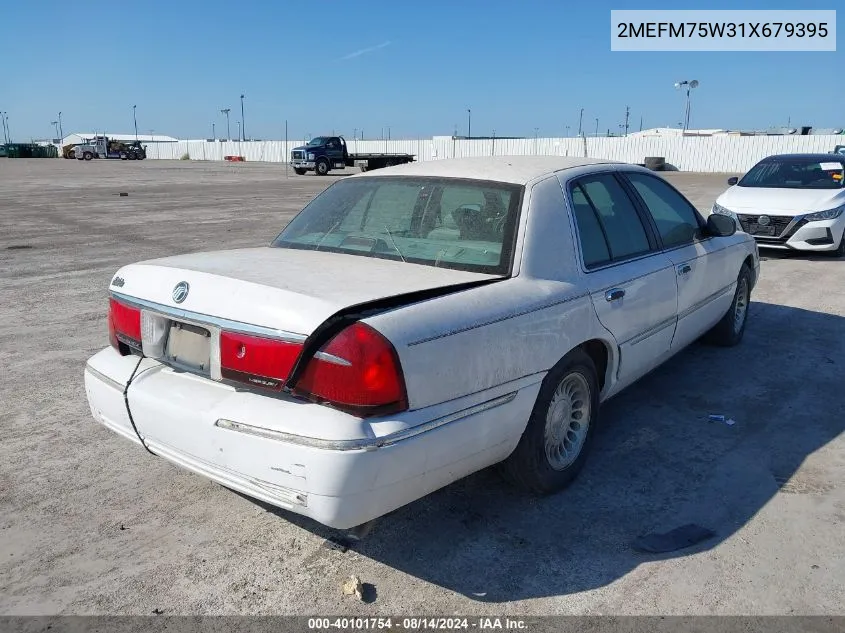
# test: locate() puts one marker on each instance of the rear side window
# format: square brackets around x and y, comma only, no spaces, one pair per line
[676,220]
[608,224]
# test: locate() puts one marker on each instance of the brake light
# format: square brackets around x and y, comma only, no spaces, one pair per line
[124,325]
[358,371]
[255,360]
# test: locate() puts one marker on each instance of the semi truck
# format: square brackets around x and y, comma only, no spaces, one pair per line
[104,147]
[324,153]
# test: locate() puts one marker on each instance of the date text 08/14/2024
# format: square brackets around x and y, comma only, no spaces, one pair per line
[415,624]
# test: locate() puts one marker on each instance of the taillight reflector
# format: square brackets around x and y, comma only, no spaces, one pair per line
[364,378]
[256,360]
[124,325]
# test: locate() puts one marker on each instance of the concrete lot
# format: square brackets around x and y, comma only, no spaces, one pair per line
[90,523]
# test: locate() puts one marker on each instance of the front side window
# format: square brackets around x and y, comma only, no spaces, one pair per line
[676,219]
[796,173]
[316,142]
[609,226]
[445,222]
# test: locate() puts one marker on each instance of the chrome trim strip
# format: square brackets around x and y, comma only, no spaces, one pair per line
[366,444]
[331,358]
[475,326]
[705,301]
[207,319]
[639,338]
[101,376]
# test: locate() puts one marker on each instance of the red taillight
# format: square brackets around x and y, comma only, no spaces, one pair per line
[256,360]
[124,325]
[357,371]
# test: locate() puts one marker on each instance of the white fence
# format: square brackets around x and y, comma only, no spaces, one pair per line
[691,153]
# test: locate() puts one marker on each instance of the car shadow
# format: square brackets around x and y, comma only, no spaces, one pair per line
[658,462]
[807,256]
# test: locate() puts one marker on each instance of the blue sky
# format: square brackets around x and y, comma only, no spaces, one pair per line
[517,65]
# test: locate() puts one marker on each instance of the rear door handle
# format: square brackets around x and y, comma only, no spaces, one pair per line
[615,294]
[683,270]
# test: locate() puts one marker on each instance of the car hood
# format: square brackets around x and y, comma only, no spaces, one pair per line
[288,289]
[784,201]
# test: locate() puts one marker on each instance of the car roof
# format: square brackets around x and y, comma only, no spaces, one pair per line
[819,156]
[518,170]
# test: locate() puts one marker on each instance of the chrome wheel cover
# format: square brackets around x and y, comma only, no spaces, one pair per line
[567,421]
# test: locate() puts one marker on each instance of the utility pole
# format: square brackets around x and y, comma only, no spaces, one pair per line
[580,119]
[61,129]
[469,123]
[243,125]
[641,124]
[627,112]
[597,127]
[213,131]
[493,151]
[3,121]
[135,119]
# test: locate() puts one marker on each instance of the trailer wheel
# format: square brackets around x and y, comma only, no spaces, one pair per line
[133,156]
[87,155]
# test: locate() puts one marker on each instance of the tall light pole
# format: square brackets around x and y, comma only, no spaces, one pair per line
[61,129]
[55,124]
[3,121]
[597,127]
[580,119]
[690,85]
[243,125]
[228,131]
[213,131]
[135,119]
[627,113]
[8,129]
[469,123]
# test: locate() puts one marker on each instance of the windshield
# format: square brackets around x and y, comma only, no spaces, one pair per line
[314,142]
[445,222]
[796,173]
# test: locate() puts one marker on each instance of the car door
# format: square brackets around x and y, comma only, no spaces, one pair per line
[631,282]
[334,151]
[702,263]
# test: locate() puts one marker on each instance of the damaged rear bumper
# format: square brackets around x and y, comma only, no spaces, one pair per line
[339,470]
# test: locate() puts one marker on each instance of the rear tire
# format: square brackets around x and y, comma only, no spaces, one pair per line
[730,330]
[559,433]
[322,167]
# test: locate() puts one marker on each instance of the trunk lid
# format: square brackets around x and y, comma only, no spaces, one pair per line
[284,289]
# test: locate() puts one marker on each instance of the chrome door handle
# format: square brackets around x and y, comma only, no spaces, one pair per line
[683,270]
[614,295]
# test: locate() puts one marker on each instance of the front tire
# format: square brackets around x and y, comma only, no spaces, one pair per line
[559,433]
[87,155]
[730,330]
[322,167]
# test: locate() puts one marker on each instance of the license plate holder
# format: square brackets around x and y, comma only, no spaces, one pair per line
[768,230]
[189,347]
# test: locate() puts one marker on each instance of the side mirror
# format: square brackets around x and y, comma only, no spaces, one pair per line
[720,225]
[733,180]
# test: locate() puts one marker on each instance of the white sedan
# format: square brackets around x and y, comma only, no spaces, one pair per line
[416,324]
[791,201]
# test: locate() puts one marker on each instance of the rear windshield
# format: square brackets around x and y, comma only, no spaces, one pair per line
[796,173]
[466,225]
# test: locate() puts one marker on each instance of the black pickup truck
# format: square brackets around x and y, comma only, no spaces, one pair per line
[324,153]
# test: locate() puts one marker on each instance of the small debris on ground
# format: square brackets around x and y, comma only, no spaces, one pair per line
[157,611]
[721,418]
[353,585]
[123,194]
[123,527]
[336,543]
[679,538]
[19,247]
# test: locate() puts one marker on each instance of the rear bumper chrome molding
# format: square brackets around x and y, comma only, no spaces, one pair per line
[365,444]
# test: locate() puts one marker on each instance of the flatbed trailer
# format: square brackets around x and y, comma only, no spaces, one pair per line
[324,153]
